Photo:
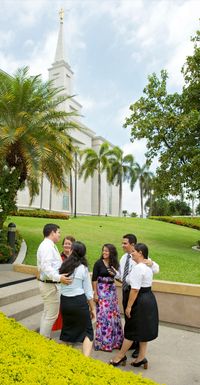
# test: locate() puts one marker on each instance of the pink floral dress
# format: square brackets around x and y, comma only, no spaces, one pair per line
[109,333]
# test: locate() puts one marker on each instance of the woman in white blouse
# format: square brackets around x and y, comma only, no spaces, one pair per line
[141,313]
[77,306]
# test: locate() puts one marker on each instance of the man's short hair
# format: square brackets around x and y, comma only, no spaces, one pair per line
[48,228]
[131,238]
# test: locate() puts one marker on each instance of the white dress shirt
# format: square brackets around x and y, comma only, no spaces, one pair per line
[132,263]
[48,260]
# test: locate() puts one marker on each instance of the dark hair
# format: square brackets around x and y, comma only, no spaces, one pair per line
[69,238]
[143,248]
[131,238]
[48,228]
[113,257]
[76,258]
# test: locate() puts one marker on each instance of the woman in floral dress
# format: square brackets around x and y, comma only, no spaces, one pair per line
[109,334]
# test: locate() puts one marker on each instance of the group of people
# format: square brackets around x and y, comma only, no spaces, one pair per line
[70,297]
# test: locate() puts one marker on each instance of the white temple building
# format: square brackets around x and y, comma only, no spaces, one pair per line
[84,194]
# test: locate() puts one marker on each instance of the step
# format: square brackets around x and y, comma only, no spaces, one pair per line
[32,322]
[18,292]
[24,308]
[7,277]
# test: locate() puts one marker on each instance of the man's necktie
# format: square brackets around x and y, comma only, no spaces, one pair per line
[126,270]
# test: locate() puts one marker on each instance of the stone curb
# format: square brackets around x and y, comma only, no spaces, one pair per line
[20,258]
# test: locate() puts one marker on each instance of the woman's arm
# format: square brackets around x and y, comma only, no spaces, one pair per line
[132,297]
[94,285]
[92,309]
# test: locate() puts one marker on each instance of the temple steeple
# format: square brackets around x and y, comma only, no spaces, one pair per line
[61,72]
[60,54]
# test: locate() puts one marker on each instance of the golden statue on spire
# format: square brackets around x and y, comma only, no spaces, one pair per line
[61,13]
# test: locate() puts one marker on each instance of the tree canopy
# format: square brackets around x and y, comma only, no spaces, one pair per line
[34,135]
[171,125]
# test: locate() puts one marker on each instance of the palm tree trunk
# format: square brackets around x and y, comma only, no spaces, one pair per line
[50,196]
[41,191]
[71,192]
[141,199]
[120,198]
[99,192]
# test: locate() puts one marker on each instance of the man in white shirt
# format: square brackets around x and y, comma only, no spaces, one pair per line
[126,265]
[48,263]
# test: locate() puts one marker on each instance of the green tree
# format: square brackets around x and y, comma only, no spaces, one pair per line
[178,207]
[171,125]
[34,132]
[160,207]
[143,175]
[120,170]
[95,162]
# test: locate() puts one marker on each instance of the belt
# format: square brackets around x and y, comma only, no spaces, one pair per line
[47,281]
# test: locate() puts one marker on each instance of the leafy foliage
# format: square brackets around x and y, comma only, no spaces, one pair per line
[171,125]
[120,170]
[164,206]
[28,358]
[193,223]
[34,132]
[95,161]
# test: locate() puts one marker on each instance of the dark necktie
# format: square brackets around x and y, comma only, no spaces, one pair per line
[126,270]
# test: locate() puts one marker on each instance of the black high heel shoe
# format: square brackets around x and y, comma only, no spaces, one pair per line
[120,362]
[144,362]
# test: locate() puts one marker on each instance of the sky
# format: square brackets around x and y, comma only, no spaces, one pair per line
[112,46]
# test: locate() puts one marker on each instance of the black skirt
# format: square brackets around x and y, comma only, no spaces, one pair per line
[76,319]
[143,324]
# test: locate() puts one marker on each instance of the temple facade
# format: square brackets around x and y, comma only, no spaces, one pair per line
[81,197]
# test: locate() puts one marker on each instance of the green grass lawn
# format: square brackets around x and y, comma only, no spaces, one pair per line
[169,244]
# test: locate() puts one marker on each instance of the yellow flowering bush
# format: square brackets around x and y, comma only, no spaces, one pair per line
[28,358]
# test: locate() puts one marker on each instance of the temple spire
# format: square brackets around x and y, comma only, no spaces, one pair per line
[60,43]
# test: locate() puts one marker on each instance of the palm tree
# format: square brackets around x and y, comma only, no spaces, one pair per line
[143,175]
[95,161]
[120,169]
[34,131]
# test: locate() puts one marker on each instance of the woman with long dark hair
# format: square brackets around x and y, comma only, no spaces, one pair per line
[141,313]
[77,306]
[109,333]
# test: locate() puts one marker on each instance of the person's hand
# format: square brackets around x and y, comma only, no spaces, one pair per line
[65,279]
[128,311]
[148,262]
[111,272]
[93,314]
[96,298]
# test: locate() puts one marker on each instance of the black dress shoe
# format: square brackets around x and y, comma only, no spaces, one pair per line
[144,362]
[135,353]
[120,362]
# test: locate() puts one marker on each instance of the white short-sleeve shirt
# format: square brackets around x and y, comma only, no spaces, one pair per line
[140,276]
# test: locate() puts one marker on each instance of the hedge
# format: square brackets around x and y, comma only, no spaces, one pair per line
[6,252]
[191,222]
[40,214]
[28,358]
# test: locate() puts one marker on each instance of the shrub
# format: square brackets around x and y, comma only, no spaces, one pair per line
[5,252]
[198,244]
[28,358]
[40,214]
[193,223]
